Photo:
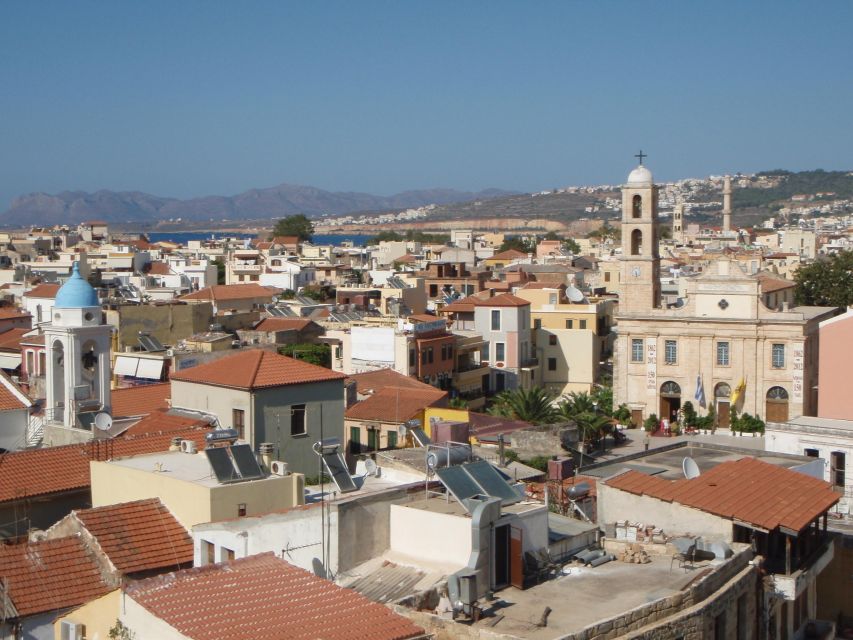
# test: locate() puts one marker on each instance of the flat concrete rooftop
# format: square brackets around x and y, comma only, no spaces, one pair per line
[188,467]
[587,595]
[451,506]
[666,463]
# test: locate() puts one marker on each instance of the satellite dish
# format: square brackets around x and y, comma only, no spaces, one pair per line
[370,466]
[103,421]
[574,294]
[690,468]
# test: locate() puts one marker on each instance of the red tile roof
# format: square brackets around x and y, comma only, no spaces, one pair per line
[484,424]
[286,240]
[157,268]
[11,340]
[467,304]
[770,283]
[9,399]
[422,317]
[225,292]
[282,324]
[50,575]
[43,291]
[749,490]
[161,422]
[24,474]
[505,300]
[12,312]
[372,381]
[141,400]
[509,254]
[256,369]
[265,598]
[396,404]
[138,536]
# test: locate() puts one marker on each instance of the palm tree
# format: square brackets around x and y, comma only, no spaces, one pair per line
[576,404]
[458,403]
[532,405]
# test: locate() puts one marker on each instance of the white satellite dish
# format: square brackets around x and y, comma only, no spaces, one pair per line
[574,294]
[370,466]
[690,468]
[103,421]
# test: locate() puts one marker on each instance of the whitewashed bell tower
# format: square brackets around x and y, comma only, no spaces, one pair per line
[78,354]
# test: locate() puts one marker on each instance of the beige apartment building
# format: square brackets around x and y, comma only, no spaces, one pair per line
[721,344]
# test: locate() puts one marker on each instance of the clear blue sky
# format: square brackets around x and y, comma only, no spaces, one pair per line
[196,98]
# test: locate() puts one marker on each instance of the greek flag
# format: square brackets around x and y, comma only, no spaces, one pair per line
[700,392]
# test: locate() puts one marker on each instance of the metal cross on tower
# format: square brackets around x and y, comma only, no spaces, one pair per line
[641,155]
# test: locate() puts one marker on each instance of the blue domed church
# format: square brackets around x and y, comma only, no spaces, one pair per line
[78,361]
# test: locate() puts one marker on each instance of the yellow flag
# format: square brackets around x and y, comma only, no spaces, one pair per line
[738,392]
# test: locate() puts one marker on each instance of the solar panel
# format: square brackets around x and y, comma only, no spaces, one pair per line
[247,463]
[337,468]
[221,464]
[492,484]
[457,482]
[420,436]
[150,343]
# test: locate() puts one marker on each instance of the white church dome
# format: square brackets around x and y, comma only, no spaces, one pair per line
[640,176]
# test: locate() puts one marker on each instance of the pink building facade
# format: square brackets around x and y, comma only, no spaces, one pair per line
[835,398]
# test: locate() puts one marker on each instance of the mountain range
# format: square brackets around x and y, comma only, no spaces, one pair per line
[71,207]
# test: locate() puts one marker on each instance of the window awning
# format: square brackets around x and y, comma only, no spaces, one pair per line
[126,366]
[10,360]
[150,369]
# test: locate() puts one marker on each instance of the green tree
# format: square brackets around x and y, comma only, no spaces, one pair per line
[576,404]
[571,246]
[120,632]
[529,405]
[319,354]
[622,414]
[458,403]
[519,244]
[827,282]
[220,271]
[297,225]
[592,427]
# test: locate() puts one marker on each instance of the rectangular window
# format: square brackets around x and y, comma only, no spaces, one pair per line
[552,298]
[241,509]
[424,356]
[778,356]
[484,353]
[499,351]
[433,290]
[227,554]
[837,464]
[238,417]
[637,350]
[430,355]
[570,324]
[552,364]
[297,420]
[537,323]
[583,324]
[723,354]
[670,351]
[812,453]
[355,440]
[392,439]
[496,320]
[552,340]
[208,552]
[607,276]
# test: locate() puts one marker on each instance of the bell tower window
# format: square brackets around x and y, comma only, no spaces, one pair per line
[637,206]
[636,242]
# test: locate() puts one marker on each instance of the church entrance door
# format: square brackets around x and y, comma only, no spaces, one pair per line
[723,420]
[670,401]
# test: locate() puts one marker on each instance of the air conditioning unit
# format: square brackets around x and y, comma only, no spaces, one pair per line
[71,630]
[279,468]
[188,446]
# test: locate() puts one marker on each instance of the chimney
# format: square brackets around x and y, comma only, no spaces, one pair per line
[265,451]
[727,204]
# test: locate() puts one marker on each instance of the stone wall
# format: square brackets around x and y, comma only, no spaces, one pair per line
[544,441]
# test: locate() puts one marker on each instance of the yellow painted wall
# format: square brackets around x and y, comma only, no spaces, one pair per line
[443,413]
[99,616]
[192,503]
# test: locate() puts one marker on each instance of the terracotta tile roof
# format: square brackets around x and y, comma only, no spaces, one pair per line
[256,369]
[12,312]
[406,259]
[749,490]
[265,598]
[509,254]
[224,292]
[282,324]
[157,268]
[770,283]
[50,575]
[263,246]
[138,536]
[484,424]
[43,291]
[543,285]
[286,240]
[11,396]
[24,476]
[372,381]
[34,340]
[466,304]
[161,422]
[422,317]
[141,400]
[505,300]
[11,340]
[395,404]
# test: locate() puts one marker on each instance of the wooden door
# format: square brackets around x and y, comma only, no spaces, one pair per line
[636,418]
[776,411]
[723,415]
[516,558]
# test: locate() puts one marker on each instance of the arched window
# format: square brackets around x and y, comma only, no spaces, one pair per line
[722,391]
[776,406]
[636,242]
[670,388]
[637,206]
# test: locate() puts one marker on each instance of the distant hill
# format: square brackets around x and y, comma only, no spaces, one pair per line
[71,207]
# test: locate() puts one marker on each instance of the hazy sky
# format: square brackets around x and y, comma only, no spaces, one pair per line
[196,98]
